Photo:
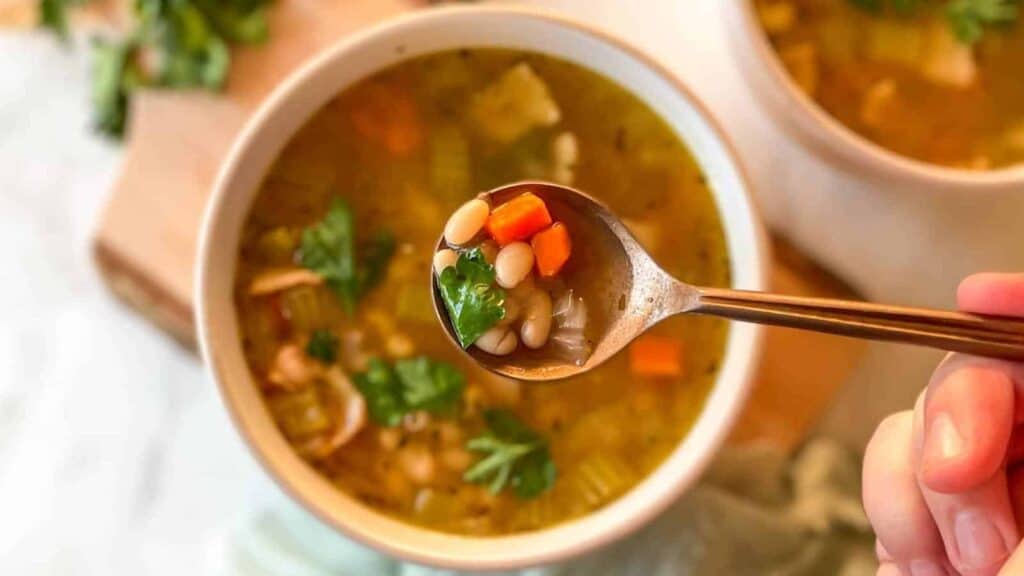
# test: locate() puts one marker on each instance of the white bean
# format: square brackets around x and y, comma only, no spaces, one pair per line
[466,222]
[537,324]
[513,264]
[444,259]
[418,464]
[499,341]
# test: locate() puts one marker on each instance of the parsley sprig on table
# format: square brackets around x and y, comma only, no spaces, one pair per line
[183,43]
[967,18]
[410,385]
[514,456]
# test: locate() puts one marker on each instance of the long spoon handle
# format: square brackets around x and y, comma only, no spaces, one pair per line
[991,336]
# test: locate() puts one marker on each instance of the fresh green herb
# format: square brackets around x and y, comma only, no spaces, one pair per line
[186,41]
[53,14]
[383,393]
[968,18]
[474,302]
[514,456]
[114,76]
[427,385]
[323,345]
[878,6]
[410,385]
[328,248]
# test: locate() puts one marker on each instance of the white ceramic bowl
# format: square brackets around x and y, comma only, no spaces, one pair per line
[828,139]
[332,72]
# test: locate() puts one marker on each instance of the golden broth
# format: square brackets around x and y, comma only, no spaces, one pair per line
[906,82]
[606,430]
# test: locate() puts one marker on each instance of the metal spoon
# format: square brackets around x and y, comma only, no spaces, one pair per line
[634,293]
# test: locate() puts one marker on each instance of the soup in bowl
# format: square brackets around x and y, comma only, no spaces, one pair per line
[923,94]
[315,276]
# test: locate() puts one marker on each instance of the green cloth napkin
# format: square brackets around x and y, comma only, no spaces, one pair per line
[755,512]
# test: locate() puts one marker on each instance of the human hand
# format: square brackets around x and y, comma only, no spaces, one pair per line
[940,482]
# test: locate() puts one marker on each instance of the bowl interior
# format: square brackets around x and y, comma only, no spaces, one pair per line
[355,58]
[825,134]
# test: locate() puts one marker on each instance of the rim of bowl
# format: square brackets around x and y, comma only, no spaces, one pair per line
[547,545]
[814,123]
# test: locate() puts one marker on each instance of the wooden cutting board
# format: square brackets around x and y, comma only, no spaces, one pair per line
[146,240]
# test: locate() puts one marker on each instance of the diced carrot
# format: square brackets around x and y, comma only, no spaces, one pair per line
[652,355]
[518,219]
[551,249]
[386,114]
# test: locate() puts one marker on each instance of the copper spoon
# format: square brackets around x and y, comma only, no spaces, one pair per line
[635,294]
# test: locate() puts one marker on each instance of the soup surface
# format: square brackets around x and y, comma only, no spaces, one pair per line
[333,293]
[928,79]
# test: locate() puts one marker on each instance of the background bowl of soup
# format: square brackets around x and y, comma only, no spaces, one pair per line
[895,93]
[378,139]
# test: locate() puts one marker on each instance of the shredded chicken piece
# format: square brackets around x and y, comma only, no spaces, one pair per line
[279,279]
[349,409]
[292,369]
[877,101]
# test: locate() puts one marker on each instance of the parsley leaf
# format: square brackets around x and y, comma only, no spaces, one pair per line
[968,18]
[114,77]
[411,385]
[474,302]
[328,248]
[427,385]
[323,345]
[382,392]
[53,14]
[515,456]
[185,41]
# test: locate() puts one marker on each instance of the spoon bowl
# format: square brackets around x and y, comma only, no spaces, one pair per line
[627,293]
[625,288]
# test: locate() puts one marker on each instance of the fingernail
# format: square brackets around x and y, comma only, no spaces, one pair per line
[979,541]
[926,568]
[943,441]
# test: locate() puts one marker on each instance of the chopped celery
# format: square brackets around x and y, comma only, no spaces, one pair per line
[299,414]
[895,41]
[450,176]
[277,245]
[415,305]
